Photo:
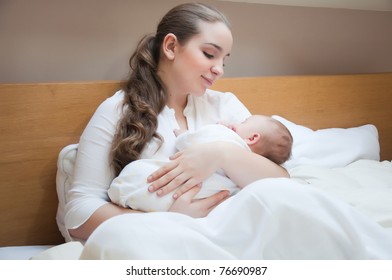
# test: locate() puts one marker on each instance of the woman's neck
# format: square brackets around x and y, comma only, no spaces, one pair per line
[176,98]
[178,105]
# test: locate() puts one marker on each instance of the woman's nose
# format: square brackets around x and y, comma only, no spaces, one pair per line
[217,70]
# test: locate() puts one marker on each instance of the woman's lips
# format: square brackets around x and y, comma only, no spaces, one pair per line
[209,81]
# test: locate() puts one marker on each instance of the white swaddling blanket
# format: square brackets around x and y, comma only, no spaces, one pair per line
[129,189]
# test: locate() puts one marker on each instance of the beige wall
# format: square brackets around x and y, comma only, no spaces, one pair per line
[57,40]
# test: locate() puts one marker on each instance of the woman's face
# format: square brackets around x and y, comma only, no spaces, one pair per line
[200,62]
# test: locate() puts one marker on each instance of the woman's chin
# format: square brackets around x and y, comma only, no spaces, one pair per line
[199,92]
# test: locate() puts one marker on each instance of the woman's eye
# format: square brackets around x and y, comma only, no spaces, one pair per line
[208,55]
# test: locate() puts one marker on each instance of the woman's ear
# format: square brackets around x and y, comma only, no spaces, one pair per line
[253,139]
[169,45]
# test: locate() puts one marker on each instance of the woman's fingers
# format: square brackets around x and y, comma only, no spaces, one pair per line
[170,182]
[197,208]
[212,201]
[176,155]
[167,182]
[162,171]
[189,195]
[171,176]
[185,170]
[186,187]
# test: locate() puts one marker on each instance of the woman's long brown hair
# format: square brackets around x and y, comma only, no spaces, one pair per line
[145,94]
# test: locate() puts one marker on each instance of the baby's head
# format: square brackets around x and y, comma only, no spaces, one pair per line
[266,136]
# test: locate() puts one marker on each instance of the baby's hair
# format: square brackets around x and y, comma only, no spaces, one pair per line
[280,145]
[286,144]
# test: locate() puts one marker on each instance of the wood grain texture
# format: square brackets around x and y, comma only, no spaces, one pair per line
[38,120]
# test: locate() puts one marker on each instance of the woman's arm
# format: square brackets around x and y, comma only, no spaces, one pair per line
[186,205]
[245,167]
[102,214]
[192,166]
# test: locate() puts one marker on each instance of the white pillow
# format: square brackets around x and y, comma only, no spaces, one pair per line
[331,147]
[64,178]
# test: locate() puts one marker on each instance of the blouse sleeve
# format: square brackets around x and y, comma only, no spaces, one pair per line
[93,173]
[232,109]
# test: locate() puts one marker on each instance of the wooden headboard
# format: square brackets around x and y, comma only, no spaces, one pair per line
[38,120]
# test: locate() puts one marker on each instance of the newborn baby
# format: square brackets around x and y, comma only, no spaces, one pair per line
[263,135]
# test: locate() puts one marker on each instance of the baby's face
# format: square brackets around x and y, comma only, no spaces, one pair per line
[252,125]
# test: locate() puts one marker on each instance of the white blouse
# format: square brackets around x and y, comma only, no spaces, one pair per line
[93,173]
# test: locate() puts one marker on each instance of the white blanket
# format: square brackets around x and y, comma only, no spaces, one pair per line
[269,219]
[364,184]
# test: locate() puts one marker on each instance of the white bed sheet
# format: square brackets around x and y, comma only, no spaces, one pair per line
[366,185]
[67,251]
[21,252]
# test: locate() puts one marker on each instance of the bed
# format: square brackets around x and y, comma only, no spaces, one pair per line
[342,146]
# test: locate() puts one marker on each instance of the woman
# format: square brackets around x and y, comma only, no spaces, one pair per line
[168,90]
[171,72]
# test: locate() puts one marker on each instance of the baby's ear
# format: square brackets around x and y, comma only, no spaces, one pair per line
[253,139]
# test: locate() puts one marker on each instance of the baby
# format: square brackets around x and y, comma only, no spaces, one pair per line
[260,134]
[265,136]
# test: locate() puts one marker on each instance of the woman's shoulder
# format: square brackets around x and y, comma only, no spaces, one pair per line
[116,98]
[112,102]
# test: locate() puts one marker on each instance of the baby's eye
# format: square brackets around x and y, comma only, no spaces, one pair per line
[208,55]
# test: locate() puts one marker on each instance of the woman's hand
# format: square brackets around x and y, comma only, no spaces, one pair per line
[192,166]
[200,207]
[186,170]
